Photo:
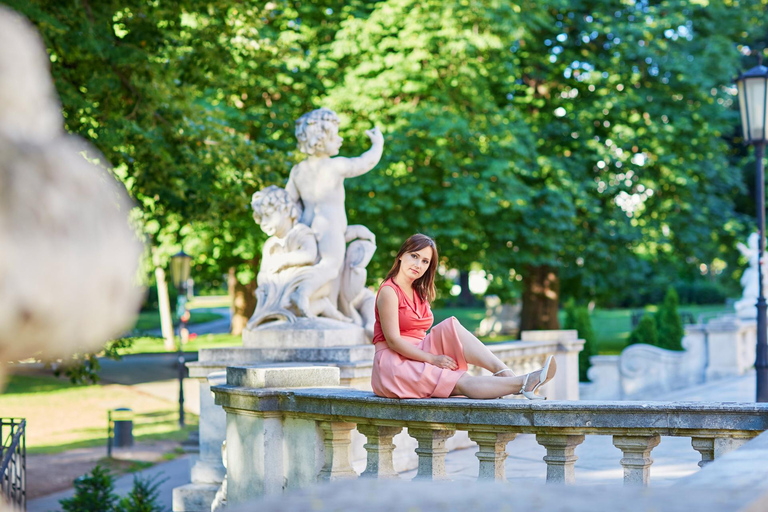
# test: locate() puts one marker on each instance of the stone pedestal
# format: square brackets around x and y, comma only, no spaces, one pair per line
[304,332]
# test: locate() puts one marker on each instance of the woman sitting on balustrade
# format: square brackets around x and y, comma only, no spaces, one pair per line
[409,363]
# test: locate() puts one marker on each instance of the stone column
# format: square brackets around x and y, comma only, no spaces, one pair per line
[560,456]
[637,457]
[337,437]
[492,452]
[712,448]
[431,452]
[207,473]
[379,448]
[706,447]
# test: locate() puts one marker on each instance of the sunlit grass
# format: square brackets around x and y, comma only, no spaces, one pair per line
[62,416]
[147,344]
[149,320]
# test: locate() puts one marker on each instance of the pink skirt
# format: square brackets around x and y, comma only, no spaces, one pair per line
[395,376]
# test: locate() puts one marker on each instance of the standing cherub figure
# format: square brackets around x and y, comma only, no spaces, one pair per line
[317,184]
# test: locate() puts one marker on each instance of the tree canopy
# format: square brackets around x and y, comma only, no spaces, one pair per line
[566,145]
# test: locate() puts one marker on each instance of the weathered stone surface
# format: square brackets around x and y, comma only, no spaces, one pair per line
[303,333]
[194,497]
[379,463]
[431,452]
[560,456]
[337,441]
[229,355]
[395,496]
[665,418]
[289,376]
[637,457]
[491,453]
[741,468]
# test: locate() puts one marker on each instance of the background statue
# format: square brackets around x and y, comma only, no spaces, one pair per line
[308,268]
[745,307]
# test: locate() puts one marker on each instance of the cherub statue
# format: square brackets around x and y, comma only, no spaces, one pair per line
[287,260]
[317,184]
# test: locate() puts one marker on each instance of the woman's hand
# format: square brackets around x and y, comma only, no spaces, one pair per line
[444,362]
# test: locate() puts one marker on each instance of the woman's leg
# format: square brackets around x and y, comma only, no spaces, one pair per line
[477,353]
[495,387]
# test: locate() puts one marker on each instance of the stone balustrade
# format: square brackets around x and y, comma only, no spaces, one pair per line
[300,436]
[354,364]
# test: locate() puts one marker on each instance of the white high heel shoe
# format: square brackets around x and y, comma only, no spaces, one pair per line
[505,370]
[544,377]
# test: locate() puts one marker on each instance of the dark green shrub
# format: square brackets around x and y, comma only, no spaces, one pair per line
[645,332]
[577,317]
[93,493]
[670,326]
[701,292]
[143,497]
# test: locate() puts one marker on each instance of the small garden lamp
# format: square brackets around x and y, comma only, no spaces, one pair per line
[181,266]
[752,88]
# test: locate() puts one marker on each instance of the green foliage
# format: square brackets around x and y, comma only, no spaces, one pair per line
[596,138]
[93,493]
[577,317]
[645,332]
[83,368]
[670,326]
[701,292]
[144,496]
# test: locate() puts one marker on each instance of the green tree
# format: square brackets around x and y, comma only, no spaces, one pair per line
[93,493]
[193,102]
[645,332]
[144,495]
[577,317]
[669,323]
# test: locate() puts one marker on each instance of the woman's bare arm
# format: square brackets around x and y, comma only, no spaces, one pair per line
[390,325]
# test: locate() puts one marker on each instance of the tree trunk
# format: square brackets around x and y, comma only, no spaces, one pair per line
[243,298]
[466,299]
[541,295]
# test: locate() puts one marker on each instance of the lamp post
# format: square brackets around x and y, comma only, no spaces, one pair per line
[180,269]
[753,105]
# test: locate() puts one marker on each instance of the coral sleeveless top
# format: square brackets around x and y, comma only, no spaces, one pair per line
[415,316]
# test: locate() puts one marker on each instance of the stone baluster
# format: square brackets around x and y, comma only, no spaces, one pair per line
[337,437]
[379,448]
[712,447]
[706,447]
[431,452]
[492,451]
[560,457]
[637,457]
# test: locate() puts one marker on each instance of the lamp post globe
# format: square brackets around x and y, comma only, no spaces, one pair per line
[181,265]
[752,89]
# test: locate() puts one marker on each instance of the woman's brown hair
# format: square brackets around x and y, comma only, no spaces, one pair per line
[425,285]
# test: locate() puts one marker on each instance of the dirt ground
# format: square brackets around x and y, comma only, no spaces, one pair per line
[47,474]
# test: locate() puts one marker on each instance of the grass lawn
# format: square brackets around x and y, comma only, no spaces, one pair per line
[149,320]
[148,344]
[62,416]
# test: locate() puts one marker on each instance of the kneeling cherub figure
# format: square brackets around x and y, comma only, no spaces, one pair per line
[287,261]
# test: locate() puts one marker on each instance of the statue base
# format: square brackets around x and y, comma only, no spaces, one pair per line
[304,333]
